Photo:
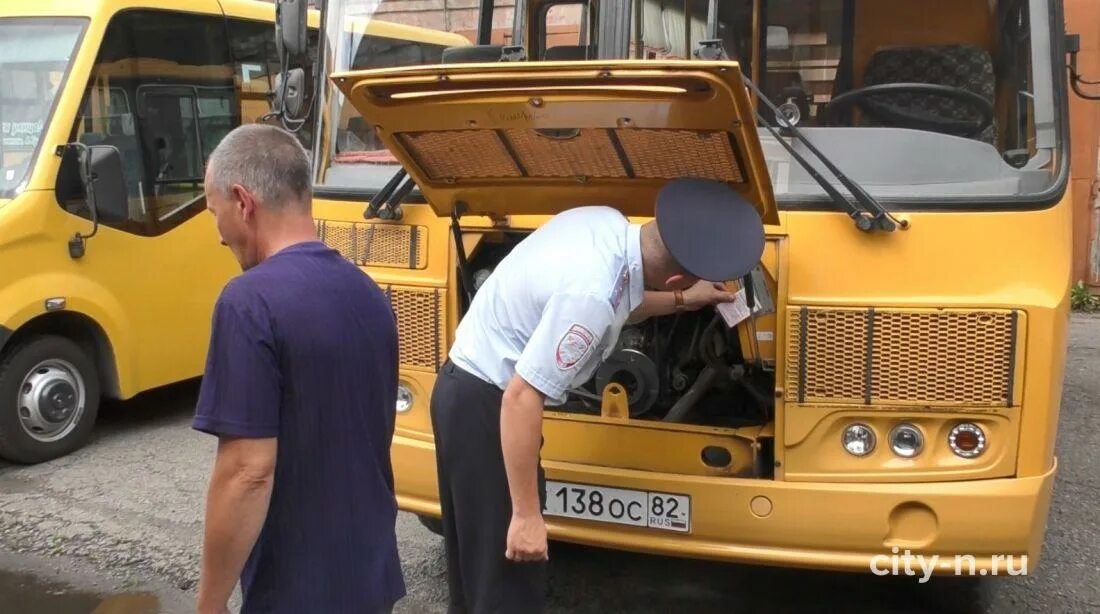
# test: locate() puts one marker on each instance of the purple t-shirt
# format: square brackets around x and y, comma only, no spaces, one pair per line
[304,348]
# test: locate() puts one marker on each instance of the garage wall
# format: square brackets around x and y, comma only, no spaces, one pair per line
[1083,17]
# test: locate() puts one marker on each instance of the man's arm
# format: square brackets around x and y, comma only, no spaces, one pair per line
[236,506]
[520,439]
[700,295]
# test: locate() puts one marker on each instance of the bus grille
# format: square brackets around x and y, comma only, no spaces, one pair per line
[902,357]
[381,245]
[420,325]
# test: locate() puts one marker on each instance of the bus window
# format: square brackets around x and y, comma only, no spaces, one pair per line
[914,99]
[358,158]
[34,59]
[802,50]
[256,66]
[1017,83]
[663,29]
[165,106]
[217,116]
[566,27]
[188,123]
[169,114]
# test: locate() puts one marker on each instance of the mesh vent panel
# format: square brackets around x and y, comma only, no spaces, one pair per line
[420,322]
[905,357]
[385,245]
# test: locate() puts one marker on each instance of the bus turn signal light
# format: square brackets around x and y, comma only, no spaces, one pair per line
[967,440]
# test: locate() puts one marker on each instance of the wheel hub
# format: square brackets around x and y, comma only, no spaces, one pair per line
[58,401]
[51,400]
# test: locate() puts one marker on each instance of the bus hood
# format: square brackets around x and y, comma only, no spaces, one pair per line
[541,137]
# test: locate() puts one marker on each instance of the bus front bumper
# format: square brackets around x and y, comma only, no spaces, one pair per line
[986,525]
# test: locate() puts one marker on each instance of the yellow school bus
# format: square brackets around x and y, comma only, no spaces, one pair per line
[114,298]
[895,385]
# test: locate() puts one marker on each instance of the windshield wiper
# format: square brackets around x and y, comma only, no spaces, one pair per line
[863,221]
[386,204]
[879,217]
[873,215]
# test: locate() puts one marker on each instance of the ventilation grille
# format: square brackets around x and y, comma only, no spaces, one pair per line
[420,325]
[591,153]
[457,155]
[668,154]
[902,357]
[454,154]
[381,245]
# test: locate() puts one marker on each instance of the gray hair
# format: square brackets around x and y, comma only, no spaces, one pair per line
[267,161]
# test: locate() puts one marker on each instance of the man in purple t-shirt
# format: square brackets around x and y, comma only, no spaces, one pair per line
[300,387]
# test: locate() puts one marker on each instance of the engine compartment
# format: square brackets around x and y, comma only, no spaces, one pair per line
[688,368]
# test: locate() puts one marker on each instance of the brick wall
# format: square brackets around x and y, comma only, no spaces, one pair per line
[1083,17]
[459,16]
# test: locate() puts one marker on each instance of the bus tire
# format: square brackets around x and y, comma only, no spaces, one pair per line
[49,399]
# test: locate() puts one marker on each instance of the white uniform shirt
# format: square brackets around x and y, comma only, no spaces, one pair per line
[553,308]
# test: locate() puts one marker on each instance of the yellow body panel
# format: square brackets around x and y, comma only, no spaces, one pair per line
[153,297]
[815,525]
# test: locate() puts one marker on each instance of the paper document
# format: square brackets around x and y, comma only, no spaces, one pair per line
[736,312]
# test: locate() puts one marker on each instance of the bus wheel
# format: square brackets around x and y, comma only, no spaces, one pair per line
[49,397]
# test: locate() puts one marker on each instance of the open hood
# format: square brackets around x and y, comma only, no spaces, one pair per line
[541,137]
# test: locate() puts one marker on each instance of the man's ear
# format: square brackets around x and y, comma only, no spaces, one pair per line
[244,200]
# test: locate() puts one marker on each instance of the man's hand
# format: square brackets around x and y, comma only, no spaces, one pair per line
[705,293]
[526,539]
[520,437]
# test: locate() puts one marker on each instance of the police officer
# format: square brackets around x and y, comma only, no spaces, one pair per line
[541,324]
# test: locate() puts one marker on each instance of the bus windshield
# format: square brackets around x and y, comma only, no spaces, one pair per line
[376,35]
[945,100]
[34,58]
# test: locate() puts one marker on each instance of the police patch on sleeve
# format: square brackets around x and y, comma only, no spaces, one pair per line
[573,346]
[621,284]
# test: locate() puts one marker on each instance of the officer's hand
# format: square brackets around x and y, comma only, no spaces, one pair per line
[527,539]
[705,293]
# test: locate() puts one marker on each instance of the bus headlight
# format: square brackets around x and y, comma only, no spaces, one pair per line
[967,440]
[906,440]
[404,399]
[858,439]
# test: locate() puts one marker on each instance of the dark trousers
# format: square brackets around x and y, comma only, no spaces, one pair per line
[477,507]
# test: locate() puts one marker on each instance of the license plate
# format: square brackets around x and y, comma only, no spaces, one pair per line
[654,510]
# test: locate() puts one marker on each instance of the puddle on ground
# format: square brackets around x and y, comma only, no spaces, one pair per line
[26,594]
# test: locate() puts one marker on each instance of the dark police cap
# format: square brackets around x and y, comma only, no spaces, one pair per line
[711,230]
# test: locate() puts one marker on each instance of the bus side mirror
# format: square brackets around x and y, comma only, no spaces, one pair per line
[99,169]
[105,187]
[290,96]
[290,27]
